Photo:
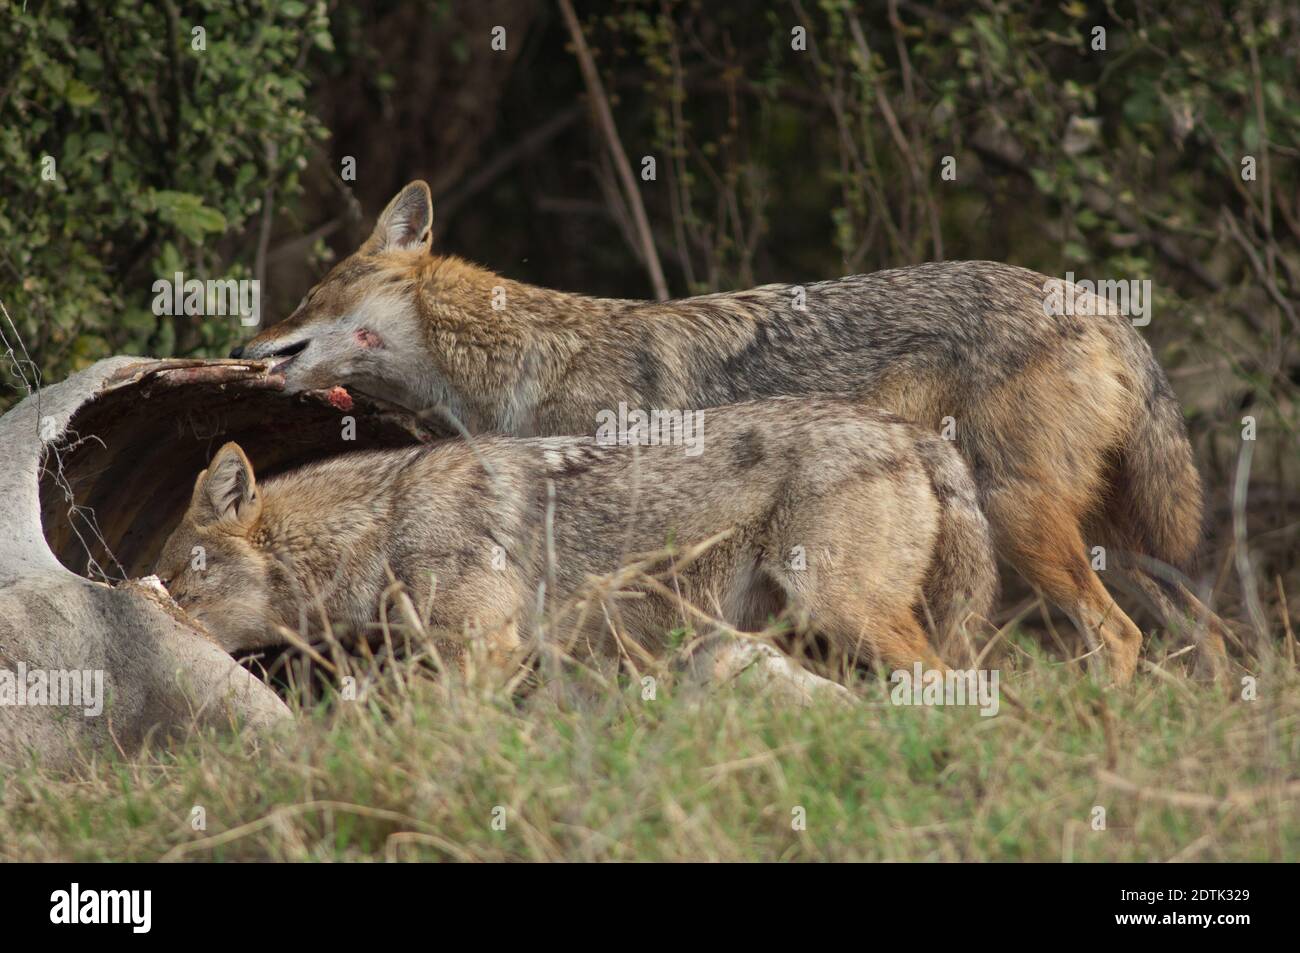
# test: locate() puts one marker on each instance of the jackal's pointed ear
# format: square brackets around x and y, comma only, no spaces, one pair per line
[407,223]
[226,490]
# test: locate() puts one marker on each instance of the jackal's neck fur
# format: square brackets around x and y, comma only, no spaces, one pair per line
[501,346]
[519,359]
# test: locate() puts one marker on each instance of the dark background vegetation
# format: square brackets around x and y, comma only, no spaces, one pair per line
[773,165]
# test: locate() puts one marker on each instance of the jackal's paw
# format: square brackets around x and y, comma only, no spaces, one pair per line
[1121,663]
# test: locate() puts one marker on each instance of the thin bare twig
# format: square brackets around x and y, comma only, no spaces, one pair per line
[600,105]
[1249,586]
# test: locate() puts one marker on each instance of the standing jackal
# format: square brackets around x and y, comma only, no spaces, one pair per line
[1067,422]
[852,525]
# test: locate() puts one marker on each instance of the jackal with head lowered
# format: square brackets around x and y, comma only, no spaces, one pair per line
[1069,426]
[853,527]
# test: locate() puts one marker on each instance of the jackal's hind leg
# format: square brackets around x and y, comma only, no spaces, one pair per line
[1184,614]
[856,630]
[1041,538]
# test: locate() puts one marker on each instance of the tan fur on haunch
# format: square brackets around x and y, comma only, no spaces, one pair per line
[822,513]
[1071,430]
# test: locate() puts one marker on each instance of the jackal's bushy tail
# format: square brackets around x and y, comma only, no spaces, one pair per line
[1154,507]
[963,580]
[1153,515]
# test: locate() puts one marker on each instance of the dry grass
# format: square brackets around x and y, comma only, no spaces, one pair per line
[417,769]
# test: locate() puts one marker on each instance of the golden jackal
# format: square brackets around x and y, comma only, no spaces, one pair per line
[1067,422]
[852,525]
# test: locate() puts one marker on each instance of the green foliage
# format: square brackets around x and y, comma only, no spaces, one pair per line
[131,148]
